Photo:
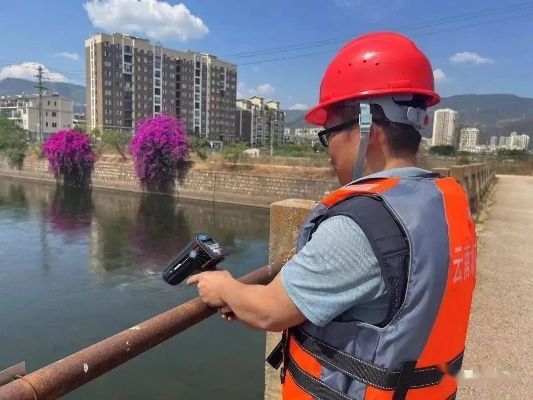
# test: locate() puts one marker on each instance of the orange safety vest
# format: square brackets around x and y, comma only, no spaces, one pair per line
[423,235]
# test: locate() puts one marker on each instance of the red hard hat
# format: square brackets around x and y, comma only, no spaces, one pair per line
[376,64]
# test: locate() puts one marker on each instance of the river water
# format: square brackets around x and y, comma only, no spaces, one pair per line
[77,267]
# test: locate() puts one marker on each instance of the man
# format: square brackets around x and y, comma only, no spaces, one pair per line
[375,304]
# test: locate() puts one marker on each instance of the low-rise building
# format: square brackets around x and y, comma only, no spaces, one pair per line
[23,110]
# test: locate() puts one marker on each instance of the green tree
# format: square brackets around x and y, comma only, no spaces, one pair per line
[516,154]
[443,150]
[116,140]
[13,142]
[199,145]
[234,152]
[95,134]
[81,128]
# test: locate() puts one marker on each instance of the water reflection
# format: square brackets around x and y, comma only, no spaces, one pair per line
[90,267]
[70,211]
[160,229]
[131,228]
[13,195]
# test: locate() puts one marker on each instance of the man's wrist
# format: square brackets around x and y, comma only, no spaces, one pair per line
[228,288]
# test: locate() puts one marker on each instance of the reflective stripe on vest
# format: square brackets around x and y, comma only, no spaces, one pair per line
[418,354]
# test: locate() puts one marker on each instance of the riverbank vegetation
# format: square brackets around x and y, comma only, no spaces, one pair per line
[70,157]
[13,143]
[162,152]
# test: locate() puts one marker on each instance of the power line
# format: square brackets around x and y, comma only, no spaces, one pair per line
[413,36]
[41,87]
[403,28]
[301,46]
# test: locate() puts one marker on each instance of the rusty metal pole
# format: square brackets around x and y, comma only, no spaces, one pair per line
[69,373]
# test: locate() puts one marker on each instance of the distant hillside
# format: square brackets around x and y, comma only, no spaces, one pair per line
[293,116]
[16,86]
[492,114]
[296,120]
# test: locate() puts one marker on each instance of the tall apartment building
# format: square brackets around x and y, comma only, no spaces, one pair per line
[57,113]
[469,138]
[129,79]
[444,121]
[494,141]
[258,122]
[518,142]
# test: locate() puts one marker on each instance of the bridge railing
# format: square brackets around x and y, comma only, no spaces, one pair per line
[286,217]
[64,376]
[476,180]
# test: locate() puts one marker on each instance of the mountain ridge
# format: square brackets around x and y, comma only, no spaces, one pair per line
[496,114]
[493,114]
[18,86]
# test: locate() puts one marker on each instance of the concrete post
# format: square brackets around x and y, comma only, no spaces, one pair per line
[443,171]
[286,218]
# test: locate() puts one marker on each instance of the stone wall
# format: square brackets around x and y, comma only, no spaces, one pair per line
[249,190]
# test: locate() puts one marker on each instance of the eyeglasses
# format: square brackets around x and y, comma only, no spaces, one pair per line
[326,134]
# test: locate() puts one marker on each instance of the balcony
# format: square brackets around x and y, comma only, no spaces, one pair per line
[127,68]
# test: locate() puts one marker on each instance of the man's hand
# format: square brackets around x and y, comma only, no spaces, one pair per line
[211,286]
[267,308]
[227,313]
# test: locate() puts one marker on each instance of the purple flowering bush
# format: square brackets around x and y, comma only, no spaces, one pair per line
[160,151]
[70,156]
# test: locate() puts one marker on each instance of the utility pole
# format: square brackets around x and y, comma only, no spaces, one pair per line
[41,87]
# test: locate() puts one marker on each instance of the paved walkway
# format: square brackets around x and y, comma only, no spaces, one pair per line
[501,328]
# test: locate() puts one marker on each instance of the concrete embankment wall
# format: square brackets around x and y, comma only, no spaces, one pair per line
[259,191]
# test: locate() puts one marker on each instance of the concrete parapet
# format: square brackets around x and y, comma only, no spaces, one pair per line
[475,179]
[286,217]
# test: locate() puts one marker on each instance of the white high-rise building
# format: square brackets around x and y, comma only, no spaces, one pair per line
[444,121]
[469,138]
[518,142]
[494,140]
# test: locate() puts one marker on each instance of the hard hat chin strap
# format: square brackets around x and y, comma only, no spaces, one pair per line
[365,121]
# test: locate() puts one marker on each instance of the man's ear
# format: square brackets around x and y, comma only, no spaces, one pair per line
[375,133]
